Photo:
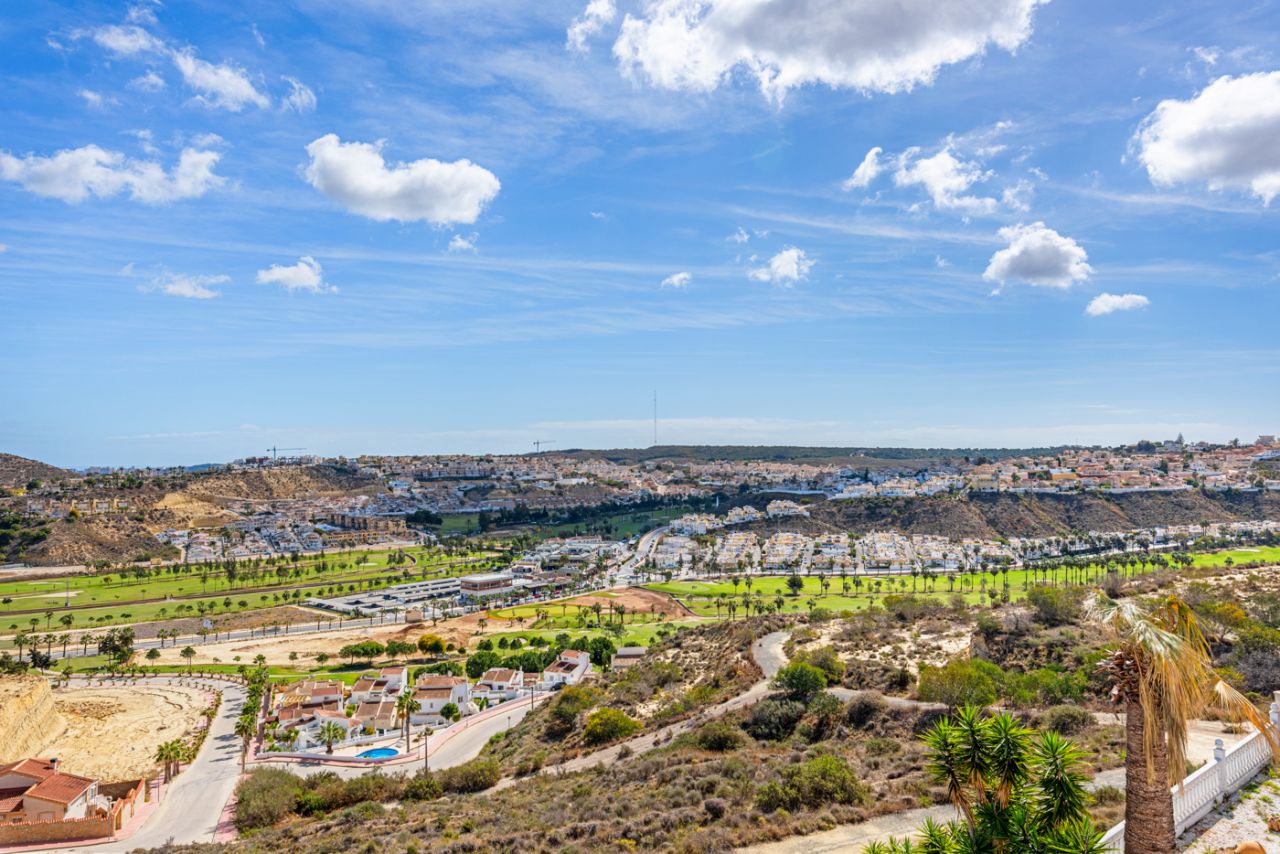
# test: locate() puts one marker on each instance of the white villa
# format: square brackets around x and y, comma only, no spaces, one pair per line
[500,684]
[435,691]
[570,668]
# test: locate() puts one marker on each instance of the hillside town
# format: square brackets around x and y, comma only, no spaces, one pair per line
[383,500]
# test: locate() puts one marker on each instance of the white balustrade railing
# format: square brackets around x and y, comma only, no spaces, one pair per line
[1202,792]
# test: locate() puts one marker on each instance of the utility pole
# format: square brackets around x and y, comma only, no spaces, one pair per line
[655,418]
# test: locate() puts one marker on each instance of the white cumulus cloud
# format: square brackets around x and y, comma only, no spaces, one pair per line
[1224,137]
[72,175]
[866,172]
[300,98]
[678,280]
[945,178]
[223,86]
[143,12]
[91,98]
[1039,256]
[869,45]
[593,19]
[188,287]
[306,275]
[126,40]
[1108,303]
[789,266]
[149,82]
[355,174]
[458,243]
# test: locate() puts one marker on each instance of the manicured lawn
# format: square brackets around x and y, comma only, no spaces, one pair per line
[623,524]
[1253,554]
[164,582]
[636,635]
[121,597]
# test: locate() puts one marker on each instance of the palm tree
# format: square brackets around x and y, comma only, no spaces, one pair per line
[1162,671]
[189,654]
[170,753]
[330,733]
[406,705]
[246,728]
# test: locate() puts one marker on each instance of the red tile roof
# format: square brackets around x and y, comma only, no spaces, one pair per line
[36,769]
[11,800]
[60,788]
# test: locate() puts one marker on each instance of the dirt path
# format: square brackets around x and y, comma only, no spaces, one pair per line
[767,652]
[850,837]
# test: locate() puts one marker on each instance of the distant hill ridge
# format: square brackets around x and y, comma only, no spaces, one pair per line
[18,471]
[853,456]
[991,515]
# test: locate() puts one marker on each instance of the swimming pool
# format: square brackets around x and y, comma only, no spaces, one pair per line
[379,753]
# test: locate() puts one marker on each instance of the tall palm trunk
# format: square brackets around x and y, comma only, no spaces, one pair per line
[1148,807]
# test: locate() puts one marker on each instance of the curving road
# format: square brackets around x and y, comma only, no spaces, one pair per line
[460,748]
[191,805]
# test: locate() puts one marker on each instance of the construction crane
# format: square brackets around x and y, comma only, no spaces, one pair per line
[273,449]
[537,445]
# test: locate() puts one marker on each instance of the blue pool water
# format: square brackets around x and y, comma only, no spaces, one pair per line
[378,753]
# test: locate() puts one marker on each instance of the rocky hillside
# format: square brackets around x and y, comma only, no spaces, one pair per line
[28,717]
[83,541]
[1001,514]
[187,501]
[19,471]
[280,483]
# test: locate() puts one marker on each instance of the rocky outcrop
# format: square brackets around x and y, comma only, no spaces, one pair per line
[28,717]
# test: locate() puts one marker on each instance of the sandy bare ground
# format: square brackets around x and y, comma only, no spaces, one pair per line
[636,600]
[112,733]
[277,648]
[459,630]
[1243,817]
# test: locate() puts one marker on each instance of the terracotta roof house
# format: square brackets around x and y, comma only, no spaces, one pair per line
[35,790]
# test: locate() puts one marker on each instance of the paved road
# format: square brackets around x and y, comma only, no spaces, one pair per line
[302,627]
[191,805]
[463,747]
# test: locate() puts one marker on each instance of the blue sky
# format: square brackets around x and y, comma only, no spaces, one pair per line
[375,226]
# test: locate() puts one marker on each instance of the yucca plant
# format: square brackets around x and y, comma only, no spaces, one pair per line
[1015,792]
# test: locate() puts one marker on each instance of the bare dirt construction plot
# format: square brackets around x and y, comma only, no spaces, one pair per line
[637,600]
[111,733]
[276,649]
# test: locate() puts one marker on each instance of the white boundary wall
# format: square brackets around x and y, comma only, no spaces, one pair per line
[1208,787]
